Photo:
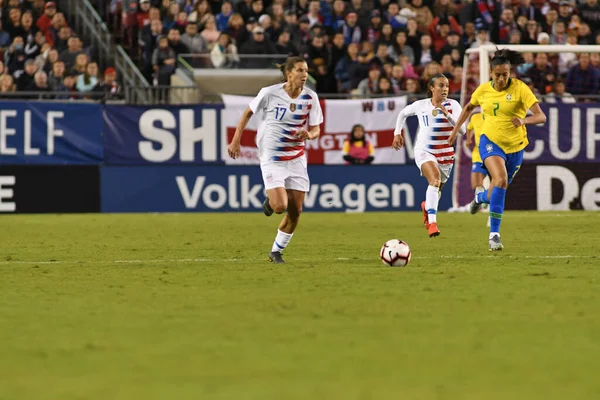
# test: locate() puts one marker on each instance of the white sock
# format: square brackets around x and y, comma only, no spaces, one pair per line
[492,234]
[432,200]
[281,241]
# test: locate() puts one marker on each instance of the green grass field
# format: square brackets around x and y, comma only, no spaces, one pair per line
[187,307]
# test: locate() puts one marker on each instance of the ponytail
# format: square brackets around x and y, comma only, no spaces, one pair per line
[505,56]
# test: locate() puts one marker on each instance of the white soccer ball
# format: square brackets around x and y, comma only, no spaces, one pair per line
[395,253]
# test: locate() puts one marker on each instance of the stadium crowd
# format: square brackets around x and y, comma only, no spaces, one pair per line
[367,47]
[364,47]
[42,56]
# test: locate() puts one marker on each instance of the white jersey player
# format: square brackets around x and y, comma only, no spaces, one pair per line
[433,155]
[290,114]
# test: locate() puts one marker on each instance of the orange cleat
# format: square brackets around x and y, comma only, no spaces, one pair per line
[425,216]
[433,230]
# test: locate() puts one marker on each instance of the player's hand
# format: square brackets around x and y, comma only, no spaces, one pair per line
[453,135]
[517,122]
[302,134]
[234,150]
[398,142]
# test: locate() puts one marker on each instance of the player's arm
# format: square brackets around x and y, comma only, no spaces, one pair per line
[315,119]
[398,142]
[314,131]
[532,104]
[234,147]
[538,117]
[464,115]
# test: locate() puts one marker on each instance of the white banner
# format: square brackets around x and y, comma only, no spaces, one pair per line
[378,116]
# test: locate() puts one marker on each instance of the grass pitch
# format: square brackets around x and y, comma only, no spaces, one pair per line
[186,307]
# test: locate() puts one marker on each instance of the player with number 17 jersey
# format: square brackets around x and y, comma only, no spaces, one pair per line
[281,116]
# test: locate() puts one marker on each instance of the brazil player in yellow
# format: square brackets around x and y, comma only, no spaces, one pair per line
[478,171]
[504,103]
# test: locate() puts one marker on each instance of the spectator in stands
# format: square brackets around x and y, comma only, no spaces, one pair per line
[540,71]
[585,34]
[74,49]
[61,42]
[583,78]
[590,14]
[423,14]
[351,30]
[469,36]
[45,21]
[210,32]
[68,88]
[559,94]
[5,39]
[384,87]
[357,7]
[7,86]
[381,56]
[360,70]
[223,17]
[143,15]
[80,66]
[373,31]
[452,43]
[368,86]
[181,22]
[109,88]
[49,59]
[284,45]
[357,149]
[225,53]
[170,17]
[397,78]
[175,41]
[163,61]
[13,25]
[257,45]
[201,9]
[400,47]
[559,33]
[564,11]
[58,22]
[14,57]
[25,79]
[426,53]
[89,79]
[57,75]
[236,29]
[529,11]
[40,84]
[193,41]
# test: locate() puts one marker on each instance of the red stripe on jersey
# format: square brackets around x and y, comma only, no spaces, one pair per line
[445,161]
[444,129]
[288,158]
[438,146]
[446,154]
[291,148]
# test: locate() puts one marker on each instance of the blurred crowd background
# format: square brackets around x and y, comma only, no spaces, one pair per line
[359,47]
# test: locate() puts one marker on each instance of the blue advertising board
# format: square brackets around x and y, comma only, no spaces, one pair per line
[168,135]
[50,134]
[240,188]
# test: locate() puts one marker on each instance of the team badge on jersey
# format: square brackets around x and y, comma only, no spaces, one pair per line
[509,97]
[489,148]
[292,107]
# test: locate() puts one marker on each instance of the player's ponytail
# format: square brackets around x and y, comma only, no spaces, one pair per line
[431,83]
[288,66]
[506,56]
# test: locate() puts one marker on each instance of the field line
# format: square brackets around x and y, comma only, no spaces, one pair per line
[233,260]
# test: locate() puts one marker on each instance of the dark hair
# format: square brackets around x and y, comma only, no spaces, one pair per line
[506,56]
[352,138]
[432,82]
[289,65]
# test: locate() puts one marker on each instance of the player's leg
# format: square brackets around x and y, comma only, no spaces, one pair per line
[297,184]
[496,166]
[431,172]
[274,176]
[478,174]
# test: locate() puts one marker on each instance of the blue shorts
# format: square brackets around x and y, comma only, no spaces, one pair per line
[513,160]
[479,167]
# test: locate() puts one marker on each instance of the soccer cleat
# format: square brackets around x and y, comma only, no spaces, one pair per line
[425,216]
[276,258]
[433,230]
[267,208]
[475,206]
[495,244]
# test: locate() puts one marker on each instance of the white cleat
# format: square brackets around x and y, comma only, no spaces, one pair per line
[495,244]
[475,206]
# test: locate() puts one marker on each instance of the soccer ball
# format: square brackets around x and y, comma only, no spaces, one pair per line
[395,253]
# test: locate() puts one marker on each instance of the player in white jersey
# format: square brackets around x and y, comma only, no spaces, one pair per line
[290,114]
[433,155]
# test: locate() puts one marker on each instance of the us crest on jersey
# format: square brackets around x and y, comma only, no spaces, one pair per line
[293,107]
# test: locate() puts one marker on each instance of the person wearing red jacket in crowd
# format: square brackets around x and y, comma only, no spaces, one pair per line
[45,21]
[440,28]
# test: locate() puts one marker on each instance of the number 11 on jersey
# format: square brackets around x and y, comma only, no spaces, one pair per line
[278,111]
[426,120]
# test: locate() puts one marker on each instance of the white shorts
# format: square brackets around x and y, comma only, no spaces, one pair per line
[291,174]
[421,157]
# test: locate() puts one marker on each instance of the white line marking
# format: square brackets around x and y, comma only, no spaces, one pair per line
[229,260]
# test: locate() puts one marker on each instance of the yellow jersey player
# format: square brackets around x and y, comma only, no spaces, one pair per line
[478,171]
[504,103]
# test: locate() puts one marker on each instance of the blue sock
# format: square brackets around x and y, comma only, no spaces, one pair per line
[482,197]
[496,208]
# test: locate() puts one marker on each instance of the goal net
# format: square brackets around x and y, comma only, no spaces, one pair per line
[555,73]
